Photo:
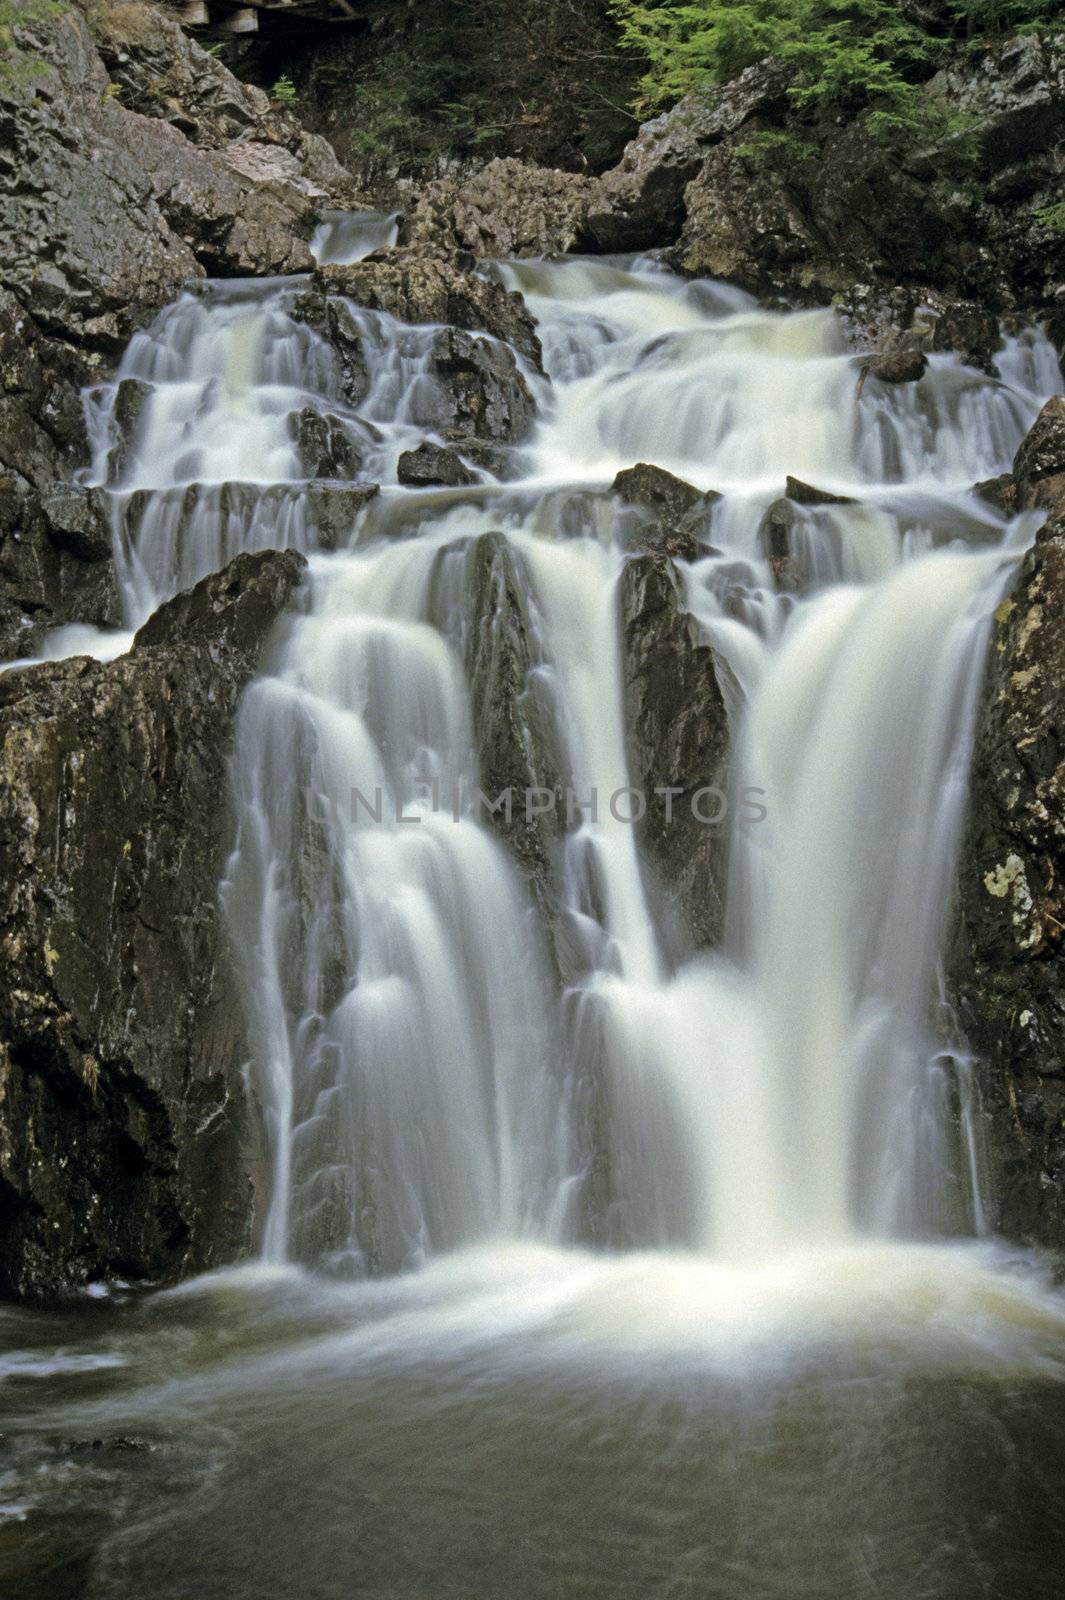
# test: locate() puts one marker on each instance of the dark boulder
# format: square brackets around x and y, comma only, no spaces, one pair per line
[476,385]
[776,540]
[323,444]
[671,512]
[431,466]
[895,366]
[678,739]
[805,494]
[122,1103]
[480,389]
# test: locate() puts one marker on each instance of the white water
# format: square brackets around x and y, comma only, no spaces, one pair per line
[425,1082]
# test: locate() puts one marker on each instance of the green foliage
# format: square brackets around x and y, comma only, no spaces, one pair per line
[18,64]
[1053,218]
[848,57]
[774,141]
[284,91]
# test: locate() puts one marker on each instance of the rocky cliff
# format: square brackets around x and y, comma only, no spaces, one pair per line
[1006,964]
[122,1101]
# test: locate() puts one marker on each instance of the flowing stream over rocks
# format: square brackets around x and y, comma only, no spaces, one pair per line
[565,1207]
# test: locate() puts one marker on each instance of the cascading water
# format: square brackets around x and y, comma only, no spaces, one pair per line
[418,1073]
[421,1074]
[694,1310]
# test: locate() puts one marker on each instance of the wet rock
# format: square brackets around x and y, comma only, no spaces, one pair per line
[506,209]
[639,203]
[776,541]
[431,465]
[131,397]
[325,447]
[1039,465]
[516,743]
[1006,956]
[970,330]
[481,391]
[487,454]
[1000,492]
[121,1041]
[78,522]
[333,319]
[415,287]
[676,512]
[895,366]
[334,510]
[677,739]
[804,494]
[55,564]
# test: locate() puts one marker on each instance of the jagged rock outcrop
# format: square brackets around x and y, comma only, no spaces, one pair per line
[506,209]
[108,211]
[160,72]
[477,389]
[1014,95]
[323,444]
[55,564]
[55,546]
[639,204]
[752,191]
[121,1041]
[677,739]
[670,514]
[414,286]
[1006,957]
[807,494]
[516,743]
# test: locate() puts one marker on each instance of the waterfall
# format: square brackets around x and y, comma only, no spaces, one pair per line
[439,1062]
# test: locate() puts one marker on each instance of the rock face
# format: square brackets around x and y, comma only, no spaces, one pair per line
[478,390]
[751,192]
[55,545]
[1006,954]
[516,743]
[121,1048]
[506,209]
[640,204]
[678,740]
[414,286]
[118,189]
